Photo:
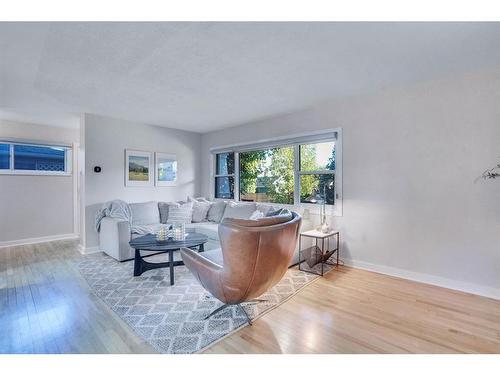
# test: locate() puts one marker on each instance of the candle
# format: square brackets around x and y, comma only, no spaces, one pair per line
[178,233]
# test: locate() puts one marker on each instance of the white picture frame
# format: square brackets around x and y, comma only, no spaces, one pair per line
[165,169]
[139,168]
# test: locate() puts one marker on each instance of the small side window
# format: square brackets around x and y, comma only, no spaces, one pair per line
[224,175]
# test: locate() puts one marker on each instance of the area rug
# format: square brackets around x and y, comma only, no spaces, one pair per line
[171,318]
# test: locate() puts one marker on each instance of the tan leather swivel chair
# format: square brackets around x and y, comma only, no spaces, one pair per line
[255,255]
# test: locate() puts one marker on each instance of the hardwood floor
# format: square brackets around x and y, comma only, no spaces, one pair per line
[47,307]
[356,311]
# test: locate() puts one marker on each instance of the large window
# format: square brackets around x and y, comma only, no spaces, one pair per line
[292,173]
[24,158]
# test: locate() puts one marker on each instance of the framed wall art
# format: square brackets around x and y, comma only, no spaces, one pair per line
[139,166]
[165,169]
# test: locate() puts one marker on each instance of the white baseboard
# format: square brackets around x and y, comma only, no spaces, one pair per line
[29,241]
[88,250]
[480,290]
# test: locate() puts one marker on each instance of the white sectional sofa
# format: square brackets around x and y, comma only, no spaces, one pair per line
[115,234]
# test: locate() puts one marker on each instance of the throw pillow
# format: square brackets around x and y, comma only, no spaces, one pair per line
[200,209]
[182,214]
[264,208]
[216,211]
[262,222]
[163,208]
[279,211]
[256,215]
[236,210]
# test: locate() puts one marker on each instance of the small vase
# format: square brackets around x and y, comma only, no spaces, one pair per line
[325,228]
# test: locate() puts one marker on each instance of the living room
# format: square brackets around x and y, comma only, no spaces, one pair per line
[218,187]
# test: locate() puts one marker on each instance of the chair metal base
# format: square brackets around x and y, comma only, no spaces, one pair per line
[219,309]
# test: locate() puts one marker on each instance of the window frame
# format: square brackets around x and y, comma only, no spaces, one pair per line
[236,172]
[295,141]
[319,172]
[68,159]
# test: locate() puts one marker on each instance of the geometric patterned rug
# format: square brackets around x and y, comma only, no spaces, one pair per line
[171,318]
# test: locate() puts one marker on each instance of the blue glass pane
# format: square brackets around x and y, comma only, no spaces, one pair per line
[225,163]
[4,156]
[224,187]
[38,158]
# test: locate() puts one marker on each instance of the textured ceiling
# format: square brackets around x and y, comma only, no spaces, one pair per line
[60,119]
[206,76]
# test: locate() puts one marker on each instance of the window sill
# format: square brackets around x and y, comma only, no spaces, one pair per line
[33,173]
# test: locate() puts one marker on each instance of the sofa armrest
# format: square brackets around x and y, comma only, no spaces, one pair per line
[114,238]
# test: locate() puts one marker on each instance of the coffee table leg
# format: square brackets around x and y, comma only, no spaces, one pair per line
[201,248]
[171,266]
[137,263]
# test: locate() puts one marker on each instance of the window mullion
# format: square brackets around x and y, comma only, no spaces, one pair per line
[11,159]
[213,189]
[320,172]
[236,195]
[296,174]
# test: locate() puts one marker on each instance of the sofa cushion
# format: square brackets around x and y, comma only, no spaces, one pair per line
[211,230]
[200,209]
[239,210]
[180,214]
[145,213]
[143,229]
[216,211]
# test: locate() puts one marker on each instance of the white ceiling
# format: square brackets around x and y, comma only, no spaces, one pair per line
[207,76]
[60,119]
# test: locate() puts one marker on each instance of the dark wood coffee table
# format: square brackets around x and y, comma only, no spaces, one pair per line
[149,242]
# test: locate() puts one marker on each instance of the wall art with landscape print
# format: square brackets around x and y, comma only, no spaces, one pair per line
[166,169]
[138,168]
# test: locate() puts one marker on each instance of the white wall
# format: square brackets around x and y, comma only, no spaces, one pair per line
[410,158]
[105,142]
[35,206]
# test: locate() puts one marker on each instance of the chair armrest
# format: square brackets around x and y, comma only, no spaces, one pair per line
[207,272]
[197,260]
